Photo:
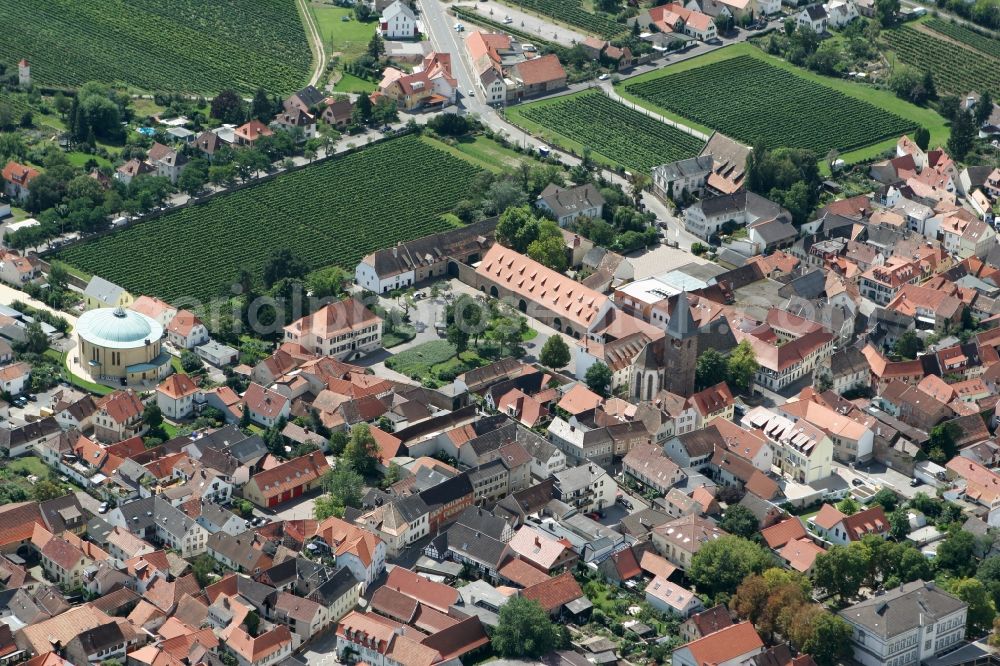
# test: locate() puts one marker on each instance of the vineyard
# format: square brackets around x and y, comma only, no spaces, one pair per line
[571,12]
[765,104]
[968,37]
[620,134]
[956,70]
[331,213]
[190,46]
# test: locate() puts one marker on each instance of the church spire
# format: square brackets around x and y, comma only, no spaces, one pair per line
[681,324]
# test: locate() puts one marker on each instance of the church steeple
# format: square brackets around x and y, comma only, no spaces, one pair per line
[681,324]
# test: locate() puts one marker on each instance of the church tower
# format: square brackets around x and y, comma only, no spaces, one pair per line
[680,348]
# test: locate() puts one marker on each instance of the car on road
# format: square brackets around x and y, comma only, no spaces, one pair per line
[507,20]
[603,77]
[103,508]
[419,295]
[857,482]
[459,27]
[624,502]
[471,93]
[915,482]
[528,47]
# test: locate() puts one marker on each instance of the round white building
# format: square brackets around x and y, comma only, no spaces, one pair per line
[119,346]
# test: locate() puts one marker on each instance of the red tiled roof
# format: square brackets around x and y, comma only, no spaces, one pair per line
[177,386]
[292,474]
[554,592]
[19,174]
[522,573]
[436,595]
[725,644]
[121,406]
[787,530]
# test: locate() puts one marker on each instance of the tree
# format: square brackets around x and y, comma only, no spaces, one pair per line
[742,366]
[46,489]
[362,451]
[190,362]
[598,379]
[152,417]
[956,555]
[943,437]
[35,341]
[192,180]
[848,506]
[711,368]
[841,571]
[983,108]
[228,107]
[720,565]
[376,47]
[517,228]
[887,499]
[922,137]
[261,107]
[550,252]
[830,640]
[963,135]
[555,353]
[981,611]
[328,282]
[282,263]
[899,524]
[362,113]
[524,630]
[252,622]
[908,345]
[457,336]
[202,567]
[886,11]
[740,521]
[344,487]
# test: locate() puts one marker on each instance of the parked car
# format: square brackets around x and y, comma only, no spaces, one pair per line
[624,502]
[507,20]
[857,482]
[603,77]
[915,482]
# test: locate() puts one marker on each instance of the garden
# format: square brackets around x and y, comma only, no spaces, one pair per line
[772,103]
[613,131]
[160,45]
[331,213]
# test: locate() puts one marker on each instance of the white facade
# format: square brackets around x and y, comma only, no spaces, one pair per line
[367,277]
[398,22]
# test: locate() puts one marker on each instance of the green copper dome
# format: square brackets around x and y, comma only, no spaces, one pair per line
[117,328]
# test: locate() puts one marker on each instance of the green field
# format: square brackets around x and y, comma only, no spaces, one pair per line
[349,83]
[418,361]
[159,45]
[753,109]
[968,37]
[331,213]
[763,104]
[956,69]
[622,136]
[349,38]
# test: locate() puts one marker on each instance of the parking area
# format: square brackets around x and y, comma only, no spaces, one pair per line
[877,475]
[522,21]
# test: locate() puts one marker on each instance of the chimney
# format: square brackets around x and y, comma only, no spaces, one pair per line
[538,542]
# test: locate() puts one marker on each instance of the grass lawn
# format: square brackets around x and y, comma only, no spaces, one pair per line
[418,361]
[175,363]
[881,98]
[28,465]
[145,107]
[347,38]
[482,152]
[78,159]
[349,83]
[530,334]
[79,382]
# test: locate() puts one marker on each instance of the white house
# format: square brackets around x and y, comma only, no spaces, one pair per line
[907,625]
[813,16]
[14,378]
[397,22]
[671,598]
[186,331]
[840,12]
[175,396]
[167,161]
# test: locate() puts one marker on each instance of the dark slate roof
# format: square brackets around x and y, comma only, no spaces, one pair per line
[62,513]
[432,249]
[567,201]
[774,231]
[447,491]
[310,96]
[335,587]
[816,12]
[691,166]
[808,286]
[476,545]
[902,609]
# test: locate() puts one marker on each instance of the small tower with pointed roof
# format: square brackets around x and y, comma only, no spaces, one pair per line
[680,348]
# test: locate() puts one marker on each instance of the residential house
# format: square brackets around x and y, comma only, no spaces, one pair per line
[801,450]
[264,405]
[344,330]
[175,396]
[705,622]
[17,180]
[15,378]
[431,84]
[286,481]
[118,416]
[186,330]
[268,647]
[398,22]
[841,529]
[248,133]
[337,112]
[168,162]
[671,598]
[648,465]
[880,284]
[706,217]
[361,551]
[100,293]
[683,178]
[537,76]
[680,540]
[730,646]
[840,12]
[585,487]
[18,270]
[541,550]
[813,17]
[907,625]
[567,204]
[298,121]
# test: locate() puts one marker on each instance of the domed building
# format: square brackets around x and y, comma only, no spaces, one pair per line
[119,346]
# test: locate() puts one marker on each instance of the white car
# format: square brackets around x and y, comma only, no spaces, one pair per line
[471,92]
[459,27]
[603,77]
[507,20]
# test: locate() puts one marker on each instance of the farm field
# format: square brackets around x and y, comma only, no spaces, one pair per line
[330,213]
[966,36]
[349,38]
[572,13]
[956,70]
[621,135]
[160,45]
[769,105]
